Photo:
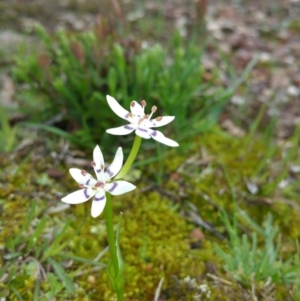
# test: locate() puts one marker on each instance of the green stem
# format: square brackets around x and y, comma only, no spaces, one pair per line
[116,261]
[131,158]
[117,275]
[110,232]
[120,296]
[159,174]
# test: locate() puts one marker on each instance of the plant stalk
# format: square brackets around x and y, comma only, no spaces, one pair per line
[135,149]
[108,214]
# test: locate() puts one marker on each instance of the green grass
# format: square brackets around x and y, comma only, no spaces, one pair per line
[250,243]
[35,252]
[71,77]
[8,134]
[257,259]
[261,250]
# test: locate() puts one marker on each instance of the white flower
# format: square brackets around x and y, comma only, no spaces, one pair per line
[97,187]
[140,122]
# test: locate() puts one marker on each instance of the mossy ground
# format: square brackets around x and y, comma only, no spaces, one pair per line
[47,250]
[156,238]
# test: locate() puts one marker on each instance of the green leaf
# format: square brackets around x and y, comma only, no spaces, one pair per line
[3,269]
[60,272]
[15,291]
[51,129]
[57,246]
[38,231]
[117,281]
[55,285]
[36,292]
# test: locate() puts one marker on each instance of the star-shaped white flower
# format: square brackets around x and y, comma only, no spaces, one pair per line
[140,122]
[97,187]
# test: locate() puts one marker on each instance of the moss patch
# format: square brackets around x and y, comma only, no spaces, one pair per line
[156,239]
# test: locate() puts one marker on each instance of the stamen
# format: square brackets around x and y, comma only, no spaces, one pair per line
[154,108]
[84,173]
[159,118]
[93,164]
[146,116]
[143,102]
[81,186]
[132,104]
[99,184]
[141,119]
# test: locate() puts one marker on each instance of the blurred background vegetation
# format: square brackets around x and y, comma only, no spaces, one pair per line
[216,218]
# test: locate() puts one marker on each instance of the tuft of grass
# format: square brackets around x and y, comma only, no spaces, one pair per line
[57,252]
[71,77]
[32,252]
[34,259]
[8,133]
[256,259]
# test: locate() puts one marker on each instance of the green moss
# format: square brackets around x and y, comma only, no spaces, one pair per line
[155,235]
[155,244]
[154,241]
[217,177]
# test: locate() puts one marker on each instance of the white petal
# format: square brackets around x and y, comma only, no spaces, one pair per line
[160,137]
[122,130]
[119,187]
[98,157]
[142,132]
[82,177]
[116,165]
[99,163]
[137,109]
[117,108]
[156,123]
[98,203]
[79,196]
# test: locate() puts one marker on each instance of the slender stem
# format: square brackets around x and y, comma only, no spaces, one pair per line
[108,214]
[159,174]
[131,157]
[120,296]
[110,232]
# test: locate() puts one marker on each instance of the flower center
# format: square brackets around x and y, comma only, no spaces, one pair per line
[142,120]
[98,185]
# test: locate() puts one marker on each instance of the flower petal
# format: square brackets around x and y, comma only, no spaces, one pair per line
[142,132]
[98,157]
[137,109]
[79,196]
[99,163]
[116,165]
[160,137]
[117,108]
[98,203]
[119,187]
[82,177]
[122,130]
[154,123]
